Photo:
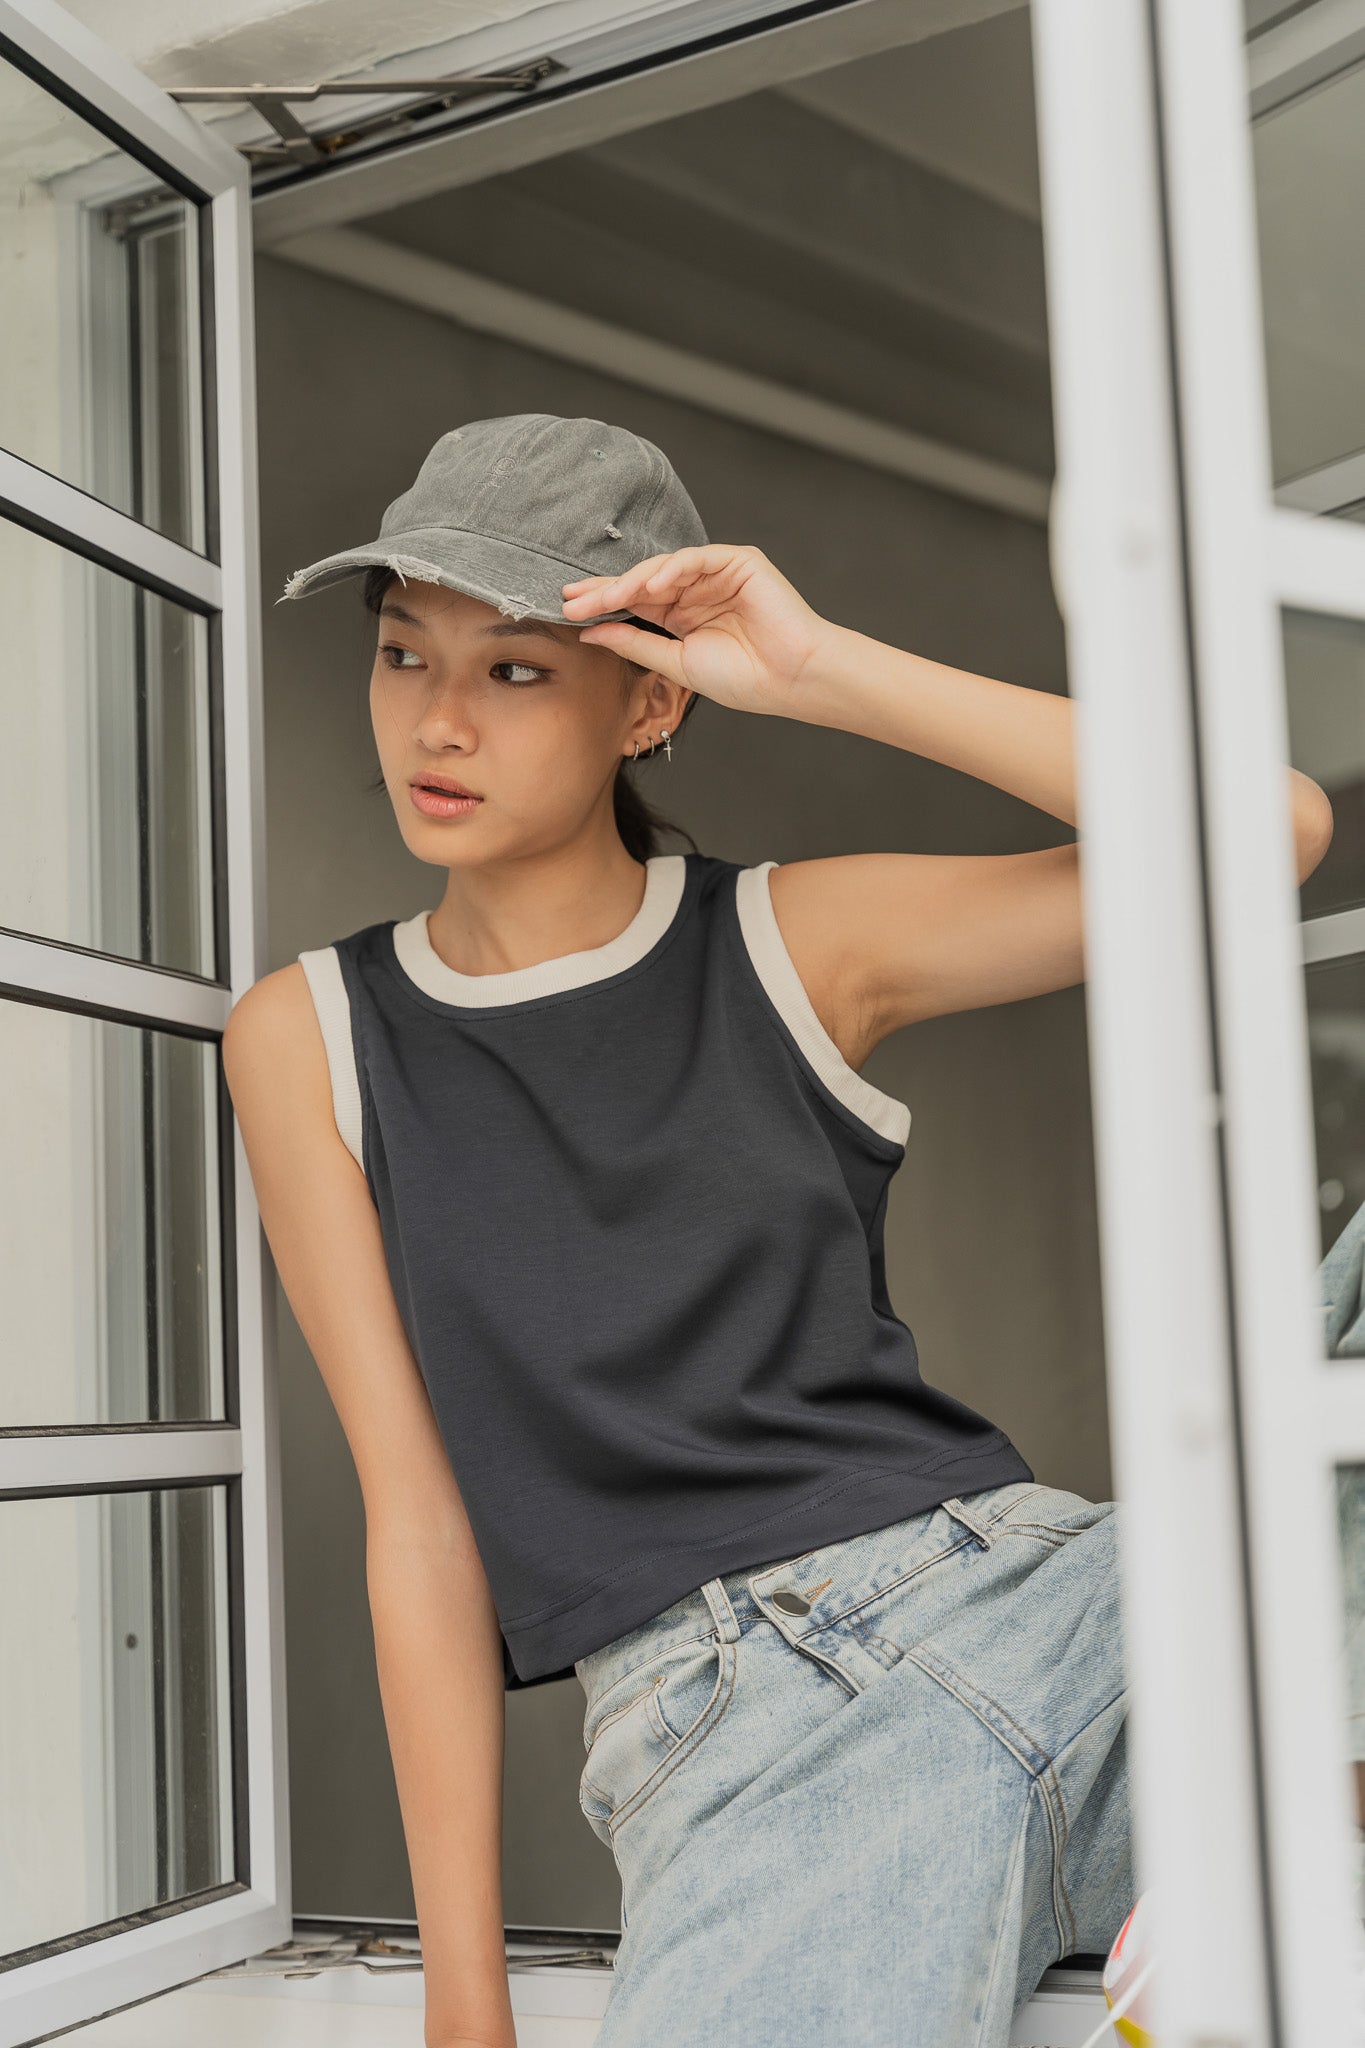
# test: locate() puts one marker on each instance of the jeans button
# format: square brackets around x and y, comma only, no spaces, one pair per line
[790,1602]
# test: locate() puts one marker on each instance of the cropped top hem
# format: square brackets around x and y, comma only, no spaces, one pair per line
[849,1505]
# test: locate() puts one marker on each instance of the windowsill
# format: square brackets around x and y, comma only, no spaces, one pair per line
[557,2004]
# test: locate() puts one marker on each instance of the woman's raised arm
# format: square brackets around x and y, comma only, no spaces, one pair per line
[881,940]
[437,1638]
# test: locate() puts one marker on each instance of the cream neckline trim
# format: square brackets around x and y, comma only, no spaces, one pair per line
[665,874]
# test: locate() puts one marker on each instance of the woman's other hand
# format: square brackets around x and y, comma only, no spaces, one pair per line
[744,636]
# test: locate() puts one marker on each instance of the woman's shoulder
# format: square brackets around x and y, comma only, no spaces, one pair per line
[281,1055]
[275,1012]
[284,999]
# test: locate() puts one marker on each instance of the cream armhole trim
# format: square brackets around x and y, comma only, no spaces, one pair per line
[665,875]
[787,993]
[323,970]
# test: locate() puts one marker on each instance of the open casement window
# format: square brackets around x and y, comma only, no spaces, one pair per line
[141,1701]
[1203,176]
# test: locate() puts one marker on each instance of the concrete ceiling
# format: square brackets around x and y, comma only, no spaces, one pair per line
[768,234]
[960,103]
[866,233]
[956,98]
[224,41]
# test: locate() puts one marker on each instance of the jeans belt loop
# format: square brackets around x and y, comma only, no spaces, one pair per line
[718,1600]
[962,1513]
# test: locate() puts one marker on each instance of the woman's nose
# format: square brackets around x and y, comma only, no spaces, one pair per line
[446,709]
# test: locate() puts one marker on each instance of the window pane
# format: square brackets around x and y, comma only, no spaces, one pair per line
[1309,154]
[1336,1034]
[100,359]
[1351,1527]
[1325,678]
[115,1760]
[105,812]
[109,1223]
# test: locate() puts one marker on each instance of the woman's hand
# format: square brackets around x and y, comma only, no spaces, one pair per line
[744,635]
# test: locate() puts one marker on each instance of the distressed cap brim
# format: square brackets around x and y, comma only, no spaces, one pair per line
[520,581]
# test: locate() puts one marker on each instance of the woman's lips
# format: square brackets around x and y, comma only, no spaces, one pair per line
[442,803]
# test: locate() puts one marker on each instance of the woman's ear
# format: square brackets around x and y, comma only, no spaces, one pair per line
[667,700]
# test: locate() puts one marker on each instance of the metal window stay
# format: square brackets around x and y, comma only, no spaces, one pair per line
[436,96]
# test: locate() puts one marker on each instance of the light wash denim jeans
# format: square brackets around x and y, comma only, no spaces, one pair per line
[874,1820]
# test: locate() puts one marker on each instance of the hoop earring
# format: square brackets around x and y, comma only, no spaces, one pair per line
[651,745]
[636,755]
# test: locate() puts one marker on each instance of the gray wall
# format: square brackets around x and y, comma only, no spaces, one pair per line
[991,1229]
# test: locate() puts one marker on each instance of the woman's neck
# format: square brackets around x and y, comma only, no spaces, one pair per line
[510,914]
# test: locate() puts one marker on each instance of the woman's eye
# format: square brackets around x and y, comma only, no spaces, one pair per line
[525,672]
[391,648]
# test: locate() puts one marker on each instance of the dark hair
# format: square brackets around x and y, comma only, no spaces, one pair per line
[641,827]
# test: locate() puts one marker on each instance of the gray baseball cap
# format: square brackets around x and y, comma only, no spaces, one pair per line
[509,509]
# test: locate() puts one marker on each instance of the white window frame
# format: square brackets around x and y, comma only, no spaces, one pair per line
[1301,1414]
[170,1944]
[1173,564]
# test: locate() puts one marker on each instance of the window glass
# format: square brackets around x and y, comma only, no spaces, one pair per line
[100,358]
[1325,683]
[1351,1529]
[115,1767]
[1308,143]
[109,1223]
[105,761]
[1336,1036]
[1325,679]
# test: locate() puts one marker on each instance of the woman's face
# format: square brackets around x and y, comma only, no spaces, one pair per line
[519,713]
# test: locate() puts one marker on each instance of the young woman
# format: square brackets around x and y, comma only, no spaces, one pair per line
[576,1189]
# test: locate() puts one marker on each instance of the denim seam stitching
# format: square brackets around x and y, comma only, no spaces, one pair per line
[696,1735]
[1046,1778]
[847,1613]
[870,1637]
[649,1694]
[1016,1852]
[661,1720]
[664,1650]
[615,1713]
[938,1668]
[1011,1505]
[1050,1788]
[1054,1772]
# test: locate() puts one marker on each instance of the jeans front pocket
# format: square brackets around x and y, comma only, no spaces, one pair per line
[641,1729]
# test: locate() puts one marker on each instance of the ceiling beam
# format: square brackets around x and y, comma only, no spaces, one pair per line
[490,307]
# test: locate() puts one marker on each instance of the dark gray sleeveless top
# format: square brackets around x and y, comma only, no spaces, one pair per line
[632,1204]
